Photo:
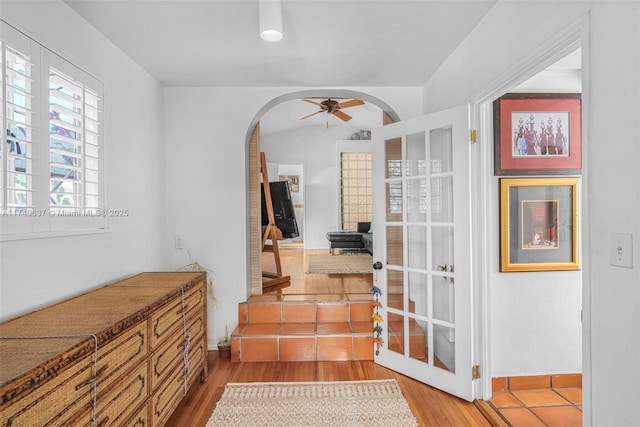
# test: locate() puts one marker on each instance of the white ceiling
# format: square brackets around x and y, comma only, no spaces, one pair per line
[327,43]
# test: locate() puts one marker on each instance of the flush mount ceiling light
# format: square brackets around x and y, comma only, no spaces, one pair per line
[270,12]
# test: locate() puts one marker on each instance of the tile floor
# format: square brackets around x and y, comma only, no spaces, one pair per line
[557,405]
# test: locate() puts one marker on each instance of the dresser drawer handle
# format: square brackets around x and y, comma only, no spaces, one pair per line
[90,380]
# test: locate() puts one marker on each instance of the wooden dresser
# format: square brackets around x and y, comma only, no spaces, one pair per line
[122,354]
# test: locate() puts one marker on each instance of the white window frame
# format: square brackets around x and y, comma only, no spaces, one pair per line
[39,220]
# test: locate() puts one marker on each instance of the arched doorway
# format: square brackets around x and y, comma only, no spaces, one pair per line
[252,141]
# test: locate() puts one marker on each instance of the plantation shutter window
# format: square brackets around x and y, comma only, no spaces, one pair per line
[51,150]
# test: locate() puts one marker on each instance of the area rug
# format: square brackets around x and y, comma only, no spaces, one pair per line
[342,403]
[339,264]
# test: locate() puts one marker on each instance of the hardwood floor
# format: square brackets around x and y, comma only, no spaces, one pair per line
[294,264]
[430,406]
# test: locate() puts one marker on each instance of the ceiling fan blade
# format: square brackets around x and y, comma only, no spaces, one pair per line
[339,114]
[351,103]
[313,102]
[309,115]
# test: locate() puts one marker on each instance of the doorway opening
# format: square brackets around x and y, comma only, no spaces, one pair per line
[308,146]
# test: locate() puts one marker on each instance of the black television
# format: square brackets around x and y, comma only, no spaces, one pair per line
[283,210]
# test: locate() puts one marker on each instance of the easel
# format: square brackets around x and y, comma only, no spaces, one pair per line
[271,281]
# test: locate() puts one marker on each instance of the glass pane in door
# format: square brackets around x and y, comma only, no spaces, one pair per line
[415,163]
[393,157]
[442,252]
[418,293]
[418,340]
[440,155]
[395,333]
[444,347]
[416,203]
[417,247]
[395,244]
[441,200]
[395,201]
[395,289]
[443,299]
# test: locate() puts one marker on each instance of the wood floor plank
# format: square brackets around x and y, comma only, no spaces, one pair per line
[430,406]
[294,264]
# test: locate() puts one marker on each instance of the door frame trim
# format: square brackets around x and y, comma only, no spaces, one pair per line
[573,36]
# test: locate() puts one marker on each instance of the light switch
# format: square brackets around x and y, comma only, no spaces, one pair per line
[621,250]
[179,241]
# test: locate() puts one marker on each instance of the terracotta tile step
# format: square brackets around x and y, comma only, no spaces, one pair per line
[326,341]
[266,330]
[276,311]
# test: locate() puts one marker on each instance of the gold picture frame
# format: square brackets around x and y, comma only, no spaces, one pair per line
[539,224]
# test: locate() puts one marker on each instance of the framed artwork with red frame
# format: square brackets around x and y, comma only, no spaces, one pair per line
[537,134]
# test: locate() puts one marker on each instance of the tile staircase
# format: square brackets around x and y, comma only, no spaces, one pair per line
[311,328]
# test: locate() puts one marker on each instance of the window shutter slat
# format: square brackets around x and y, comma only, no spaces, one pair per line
[64,97]
[65,111]
[65,126]
[58,81]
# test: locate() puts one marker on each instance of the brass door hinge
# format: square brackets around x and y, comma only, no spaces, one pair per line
[475,372]
[473,136]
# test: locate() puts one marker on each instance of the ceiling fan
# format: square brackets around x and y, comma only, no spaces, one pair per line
[331,106]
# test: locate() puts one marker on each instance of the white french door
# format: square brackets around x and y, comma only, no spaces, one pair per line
[422,242]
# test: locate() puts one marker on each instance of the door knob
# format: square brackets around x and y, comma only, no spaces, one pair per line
[377,265]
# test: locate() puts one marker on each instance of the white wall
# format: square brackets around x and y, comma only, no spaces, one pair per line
[611,202]
[40,271]
[613,206]
[206,181]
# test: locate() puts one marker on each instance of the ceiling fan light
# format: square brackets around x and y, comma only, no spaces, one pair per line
[270,14]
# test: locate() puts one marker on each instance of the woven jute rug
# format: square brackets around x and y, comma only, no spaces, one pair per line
[339,264]
[342,403]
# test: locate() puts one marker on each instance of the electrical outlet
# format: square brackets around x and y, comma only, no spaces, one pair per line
[179,241]
[621,254]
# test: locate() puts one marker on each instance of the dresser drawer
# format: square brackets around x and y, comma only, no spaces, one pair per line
[167,319]
[171,352]
[198,361]
[141,418]
[117,404]
[172,389]
[55,401]
[58,399]
[117,356]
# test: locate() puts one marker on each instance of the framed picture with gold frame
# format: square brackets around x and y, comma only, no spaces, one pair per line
[539,224]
